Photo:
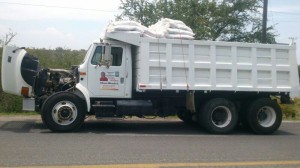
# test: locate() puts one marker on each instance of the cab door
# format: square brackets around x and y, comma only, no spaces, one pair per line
[107,79]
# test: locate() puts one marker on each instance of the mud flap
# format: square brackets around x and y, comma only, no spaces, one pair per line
[28,104]
[190,102]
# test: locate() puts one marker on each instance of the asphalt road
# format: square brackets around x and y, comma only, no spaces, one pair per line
[149,143]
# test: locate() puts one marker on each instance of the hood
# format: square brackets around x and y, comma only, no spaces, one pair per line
[19,71]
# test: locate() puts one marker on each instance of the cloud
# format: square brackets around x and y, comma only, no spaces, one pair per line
[59,10]
[288,9]
[50,37]
[54,32]
[50,27]
[3,30]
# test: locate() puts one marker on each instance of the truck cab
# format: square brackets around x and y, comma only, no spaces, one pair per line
[107,75]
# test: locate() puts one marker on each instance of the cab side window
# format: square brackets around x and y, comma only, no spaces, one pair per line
[116,52]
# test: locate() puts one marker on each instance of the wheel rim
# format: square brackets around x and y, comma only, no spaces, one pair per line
[64,113]
[266,116]
[221,116]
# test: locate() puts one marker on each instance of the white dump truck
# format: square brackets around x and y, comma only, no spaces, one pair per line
[214,84]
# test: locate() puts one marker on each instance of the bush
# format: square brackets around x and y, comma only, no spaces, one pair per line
[10,103]
[291,111]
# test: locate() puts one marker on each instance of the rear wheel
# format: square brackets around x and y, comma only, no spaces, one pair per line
[63,112]
[264,116]
[218,116]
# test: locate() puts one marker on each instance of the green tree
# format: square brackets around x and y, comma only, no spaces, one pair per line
[226,20]
[58,58]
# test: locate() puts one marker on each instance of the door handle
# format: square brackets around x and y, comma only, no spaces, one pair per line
[122,80]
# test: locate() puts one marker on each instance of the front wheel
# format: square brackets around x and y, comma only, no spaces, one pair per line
[63,112]
[264,116]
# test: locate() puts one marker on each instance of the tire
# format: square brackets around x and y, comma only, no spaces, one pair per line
[218,116]
[63,112]
[264,116]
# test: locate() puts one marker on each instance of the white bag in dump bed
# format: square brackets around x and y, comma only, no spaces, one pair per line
[125,26]
[172,29]
[165,28]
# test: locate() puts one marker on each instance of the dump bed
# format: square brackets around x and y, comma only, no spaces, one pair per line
[174,64]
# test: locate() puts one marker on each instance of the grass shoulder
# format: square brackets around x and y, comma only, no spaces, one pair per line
[23,113]
[291,119]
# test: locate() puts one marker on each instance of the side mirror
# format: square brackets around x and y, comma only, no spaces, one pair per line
[107,55]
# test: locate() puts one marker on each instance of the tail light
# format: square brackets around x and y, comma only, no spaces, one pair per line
[25,91]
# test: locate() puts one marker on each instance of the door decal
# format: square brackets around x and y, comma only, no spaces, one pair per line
[109,80]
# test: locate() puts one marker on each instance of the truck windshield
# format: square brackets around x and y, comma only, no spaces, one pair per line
[97,57]
[87,53]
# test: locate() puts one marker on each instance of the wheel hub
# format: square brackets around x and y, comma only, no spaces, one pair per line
[64,112]
[221,116]
[266,116]
[262,116]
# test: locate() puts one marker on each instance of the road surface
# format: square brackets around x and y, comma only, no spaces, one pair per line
[25,141]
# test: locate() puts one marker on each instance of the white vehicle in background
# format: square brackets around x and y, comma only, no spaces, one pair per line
[217,84]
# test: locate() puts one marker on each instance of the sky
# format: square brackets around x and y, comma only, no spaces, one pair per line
[75,24]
